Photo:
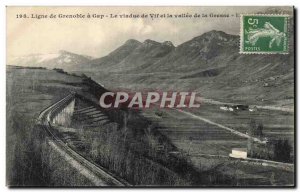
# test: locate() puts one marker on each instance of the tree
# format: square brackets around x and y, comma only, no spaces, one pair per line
[259,130]
[282,150]
[252,127]
[255,129]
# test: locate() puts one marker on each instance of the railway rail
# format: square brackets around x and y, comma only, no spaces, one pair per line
[44,119]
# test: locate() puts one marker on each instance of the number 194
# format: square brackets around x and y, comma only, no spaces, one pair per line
[19,16]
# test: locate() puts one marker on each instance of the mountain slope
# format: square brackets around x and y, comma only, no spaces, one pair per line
[200,52]
[114,57]
[209,64]
[132,55]
[63,59]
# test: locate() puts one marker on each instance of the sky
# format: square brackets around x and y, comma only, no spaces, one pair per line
[98,37]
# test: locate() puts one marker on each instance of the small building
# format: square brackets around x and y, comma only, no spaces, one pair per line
[252,108]
[224,108]
[230,109]
[241,107]
[240,153]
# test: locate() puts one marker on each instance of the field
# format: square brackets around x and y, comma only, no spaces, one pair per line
[166,149]
[209,146]
[125,150]
[277,124]
[194,136]
[236,89]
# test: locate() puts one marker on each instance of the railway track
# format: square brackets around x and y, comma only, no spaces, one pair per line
[233,131]
[101,177]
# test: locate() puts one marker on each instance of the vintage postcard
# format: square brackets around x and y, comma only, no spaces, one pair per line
[150,97]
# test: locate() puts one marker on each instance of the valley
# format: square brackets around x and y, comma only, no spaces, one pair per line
[169,147]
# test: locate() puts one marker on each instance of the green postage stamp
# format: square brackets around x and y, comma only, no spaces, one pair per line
[264,34]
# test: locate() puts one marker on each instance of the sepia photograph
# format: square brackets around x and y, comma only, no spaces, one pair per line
[150,96]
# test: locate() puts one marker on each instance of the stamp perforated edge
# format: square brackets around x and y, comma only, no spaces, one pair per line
[262,53]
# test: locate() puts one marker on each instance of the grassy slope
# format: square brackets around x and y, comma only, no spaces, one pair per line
[209,64]
[29,91]
[26,97]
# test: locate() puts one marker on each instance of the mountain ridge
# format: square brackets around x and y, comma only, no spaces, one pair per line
[209,63]
[62,59]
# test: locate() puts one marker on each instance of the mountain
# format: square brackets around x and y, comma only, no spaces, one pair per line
[209,64]
[132,55]
[149,56]
[63,59]
[214,51]
[199,52]
[114,57]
